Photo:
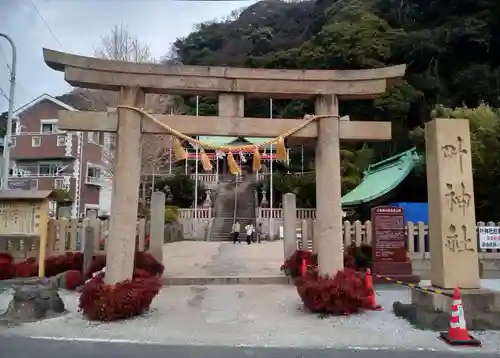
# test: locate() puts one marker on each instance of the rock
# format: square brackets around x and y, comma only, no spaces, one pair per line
[32,302]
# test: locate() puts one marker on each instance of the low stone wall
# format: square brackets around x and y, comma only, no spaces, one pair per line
[264,227]
[173,233]
[196,229]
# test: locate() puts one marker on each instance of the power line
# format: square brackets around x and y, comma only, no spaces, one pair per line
[45,23]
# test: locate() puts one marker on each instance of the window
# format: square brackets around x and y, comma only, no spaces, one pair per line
[91,137]
[36,141]
[96,138]
[49,128]
[61,140]
[50,169]
[59,184]
[12,142]
[93,172]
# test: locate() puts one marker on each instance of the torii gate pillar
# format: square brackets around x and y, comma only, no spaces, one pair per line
[126,175]
[328,188]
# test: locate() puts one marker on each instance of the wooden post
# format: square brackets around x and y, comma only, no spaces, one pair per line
[157,229]
[120,246]
[91,231]
[44,231]
[328,230]
[289,225]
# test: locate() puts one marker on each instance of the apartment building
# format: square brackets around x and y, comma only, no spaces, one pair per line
[44,157]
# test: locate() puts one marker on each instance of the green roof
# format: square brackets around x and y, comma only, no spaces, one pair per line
[223,140]
[382,177]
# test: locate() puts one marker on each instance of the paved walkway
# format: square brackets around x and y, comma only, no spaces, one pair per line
[203,259]
[251,316]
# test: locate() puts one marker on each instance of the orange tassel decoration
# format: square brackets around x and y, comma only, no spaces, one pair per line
[233,166]
[205,160]
[281,150]
[179,152]
[256,162]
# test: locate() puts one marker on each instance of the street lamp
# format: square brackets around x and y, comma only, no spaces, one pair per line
[8,134]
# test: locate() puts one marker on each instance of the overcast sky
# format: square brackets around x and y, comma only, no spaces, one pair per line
[76,26]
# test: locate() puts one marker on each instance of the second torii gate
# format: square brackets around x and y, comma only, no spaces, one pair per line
[231,85]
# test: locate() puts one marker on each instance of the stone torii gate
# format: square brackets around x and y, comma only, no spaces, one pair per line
[231,85]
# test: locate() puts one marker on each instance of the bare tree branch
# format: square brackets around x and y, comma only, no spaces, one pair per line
[121,45]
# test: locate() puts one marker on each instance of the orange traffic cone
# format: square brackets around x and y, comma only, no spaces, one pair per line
[371,289]
[458,334]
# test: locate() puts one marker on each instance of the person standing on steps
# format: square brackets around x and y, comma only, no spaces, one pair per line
[249,232]
[236,232]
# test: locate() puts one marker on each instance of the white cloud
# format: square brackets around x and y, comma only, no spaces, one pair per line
[78,26]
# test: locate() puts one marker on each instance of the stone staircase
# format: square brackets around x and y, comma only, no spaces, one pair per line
[245,210]
[224,212]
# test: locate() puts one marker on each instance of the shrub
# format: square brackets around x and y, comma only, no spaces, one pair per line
[358,258]
[145,261]
[73,279]
[291,267]
[344,294]
[171,214]
[7,269]
[129,298]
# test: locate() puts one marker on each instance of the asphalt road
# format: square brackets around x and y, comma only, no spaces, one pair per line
[40,348]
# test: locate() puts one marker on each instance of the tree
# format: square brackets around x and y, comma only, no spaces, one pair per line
[122,46]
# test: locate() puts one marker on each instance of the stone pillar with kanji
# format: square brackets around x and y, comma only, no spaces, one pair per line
[452,219]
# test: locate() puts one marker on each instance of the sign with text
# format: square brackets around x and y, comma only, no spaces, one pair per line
[389,234]
[489,237]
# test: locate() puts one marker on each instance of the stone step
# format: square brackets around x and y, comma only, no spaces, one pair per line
[226,280]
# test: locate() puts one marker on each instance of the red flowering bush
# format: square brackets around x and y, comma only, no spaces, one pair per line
[358,258]
[129,298]
[145,261]
[291,267]
[344,294]
[7,269]
[73,279]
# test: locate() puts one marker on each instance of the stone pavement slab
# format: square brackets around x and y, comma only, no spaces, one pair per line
[253,316]
[205,258]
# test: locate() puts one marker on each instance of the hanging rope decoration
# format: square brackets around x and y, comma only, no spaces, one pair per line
[180,152]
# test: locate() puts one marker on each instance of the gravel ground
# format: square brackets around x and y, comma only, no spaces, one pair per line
[256,316]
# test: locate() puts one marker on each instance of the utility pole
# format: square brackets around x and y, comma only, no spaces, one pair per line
[8,134]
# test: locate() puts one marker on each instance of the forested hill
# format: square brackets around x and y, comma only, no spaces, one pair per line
[452,48]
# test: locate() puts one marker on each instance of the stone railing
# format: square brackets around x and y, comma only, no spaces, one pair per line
[199,213]
[206,178]
[277,213]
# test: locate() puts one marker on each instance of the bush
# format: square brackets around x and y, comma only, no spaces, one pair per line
[7,269]
[344,294]
[145,261]
[129,298]
[171,214]
[73,279]
[358,258]
[291,267]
